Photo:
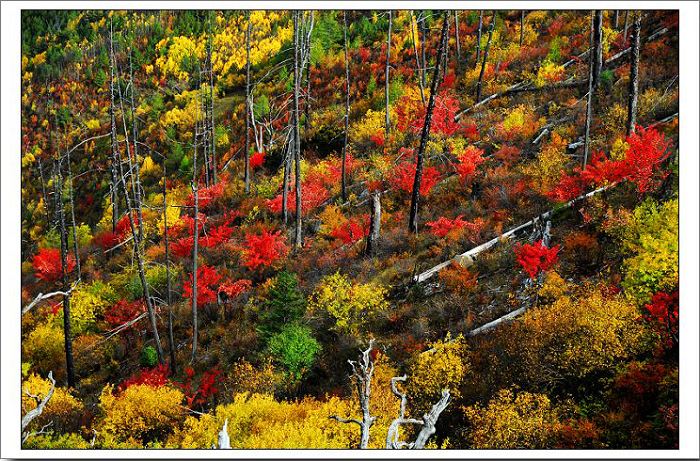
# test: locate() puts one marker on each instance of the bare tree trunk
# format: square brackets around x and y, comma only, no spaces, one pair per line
[415,195]
[374,223]
[212,160]
[387,121]
[633,93]
[597,47]
[589,100]
[248,109]
[478,37]
[297,142]
[43,193]
[168,283]
[430,419]
[522,26]
[60,217]
[195,247]
[421,83]
[116,158]
[459,49]
[362,371]
[616,19]
[137,167]
[486,57]
[72,216]
[285,180]
[626,27]
[343,173]
[422,49]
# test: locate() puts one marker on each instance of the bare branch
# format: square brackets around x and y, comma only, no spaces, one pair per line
[34,413]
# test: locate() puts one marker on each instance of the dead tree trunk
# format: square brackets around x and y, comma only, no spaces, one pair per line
[421,83]
[374,223]
[597,47]
[616,19]
[168,283]
[134,135]
[423,68]
[297,141]
[195,246]
[34,413]
[212,159]
[626,27]
[478,37]
[362,375]
[71,192]
[457,44]
[415,195]
[285,179]
[343,189]
[248,109]
[633,93]
[522,26]
[589,100]
[387,120]
[60,217]
[486,57]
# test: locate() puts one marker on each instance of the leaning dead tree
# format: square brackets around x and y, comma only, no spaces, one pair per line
[486,56]
[362,371]
[34,413]
[589,96]
[415,195]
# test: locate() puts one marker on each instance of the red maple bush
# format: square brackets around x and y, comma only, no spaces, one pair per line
[257,160]
[48,266]
[536,257]
[124,311]
[235,289]
[411,115]
[662,314]
[313,194]
[405,173]
[154,377]
[216,236]
[207,195]
[264,249]
[444,226]
[469,160]
[207,386]
[182,248]
[352,230]
[648,148]
[207,285]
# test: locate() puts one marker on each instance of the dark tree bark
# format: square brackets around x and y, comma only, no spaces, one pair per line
[375,220]
[168,283]
[589,100]
[248,109]
[116,159]
[343,179]
[597,47]
[478,37]
[212,160]
[387,121]
[421,83]
[459,49]
[486,57]
[60,217]
[415,195]
[633,93]
[297,141]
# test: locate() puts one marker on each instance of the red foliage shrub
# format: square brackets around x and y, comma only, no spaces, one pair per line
[124,311]
[507,154]
[234,289]
[411,115]
[154,377]
[207,386]
[264,249]
[469,159]
[207,195]
[405,173]
[443,226]
[352,230]
[535,258]
[313,194]
[378,138]
[257,160]
[662,314]
[182,248]
[48,266]
[216,236]
[207,285]
[106,240]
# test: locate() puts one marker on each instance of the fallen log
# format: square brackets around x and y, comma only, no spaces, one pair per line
[471,254]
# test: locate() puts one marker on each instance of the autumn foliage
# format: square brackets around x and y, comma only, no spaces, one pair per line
[48,266]
[536,257]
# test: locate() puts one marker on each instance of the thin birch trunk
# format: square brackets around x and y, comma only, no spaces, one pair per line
[633,93]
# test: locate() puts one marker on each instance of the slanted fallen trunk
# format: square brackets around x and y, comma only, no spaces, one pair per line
[474,252]
[36,412]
